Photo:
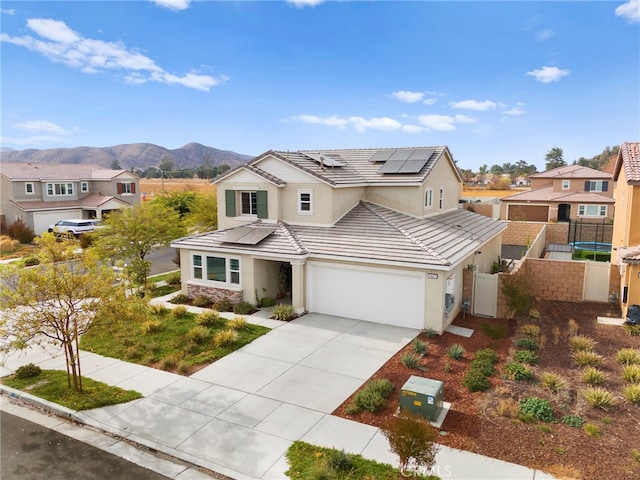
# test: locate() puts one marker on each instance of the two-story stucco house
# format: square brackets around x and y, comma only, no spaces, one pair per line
[372,234]
[40,194]
[572,192]
[626,225]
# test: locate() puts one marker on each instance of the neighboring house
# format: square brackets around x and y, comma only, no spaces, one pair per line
[40,194]
[571,192]
[372,234]
[626,224]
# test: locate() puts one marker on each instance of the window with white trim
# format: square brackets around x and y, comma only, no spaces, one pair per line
[28,188]
[216,269]
[305,202]
[596,186]
[249,203]
[428,198]
[592,210]
[84,187]
[441,201]
[566,184]
[58,189]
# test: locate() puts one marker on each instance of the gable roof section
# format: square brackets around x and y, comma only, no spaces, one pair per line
[255,170]
[572,171]
[356,167]
[57,171]
[371,233]
[546,194]
[93,200]
[629,158]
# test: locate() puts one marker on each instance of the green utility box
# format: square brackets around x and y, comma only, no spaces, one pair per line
[422,396]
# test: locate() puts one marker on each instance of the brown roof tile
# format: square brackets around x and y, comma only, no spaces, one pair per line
[629,158]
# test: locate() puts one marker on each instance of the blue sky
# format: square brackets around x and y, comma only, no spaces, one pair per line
[495,81]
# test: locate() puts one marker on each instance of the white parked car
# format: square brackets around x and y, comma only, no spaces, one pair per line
[74,226]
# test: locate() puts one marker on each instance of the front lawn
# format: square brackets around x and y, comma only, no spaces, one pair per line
[52,385]
[175,341]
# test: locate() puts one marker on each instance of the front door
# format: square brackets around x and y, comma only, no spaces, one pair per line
[564,212]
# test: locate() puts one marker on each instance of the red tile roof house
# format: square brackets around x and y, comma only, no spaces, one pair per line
[40,194]
[571,192]
[372,234]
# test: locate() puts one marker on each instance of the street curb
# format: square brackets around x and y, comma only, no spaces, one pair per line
[59,410]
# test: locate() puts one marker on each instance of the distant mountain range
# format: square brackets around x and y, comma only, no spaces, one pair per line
[130,156]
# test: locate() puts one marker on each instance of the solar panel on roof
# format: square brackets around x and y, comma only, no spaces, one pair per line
[247,235]
[407,161]
[420,153]
[323,159]
[412,166]
[401,154]
[382,155]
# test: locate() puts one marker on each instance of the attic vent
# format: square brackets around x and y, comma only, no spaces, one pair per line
[323,159]
[406,160]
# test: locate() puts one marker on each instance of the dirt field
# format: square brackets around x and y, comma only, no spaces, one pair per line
[154,185]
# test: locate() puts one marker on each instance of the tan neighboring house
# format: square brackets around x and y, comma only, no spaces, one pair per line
[372,234]
[571,192]
[625,257]
[40,194]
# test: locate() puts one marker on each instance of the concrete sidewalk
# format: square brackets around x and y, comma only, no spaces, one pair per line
[239,415]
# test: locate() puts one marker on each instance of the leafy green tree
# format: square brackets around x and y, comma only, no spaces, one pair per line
[115,165]
[59,300]
[181,202]
[203,215]
[554,159]
[166,165]
[130,234]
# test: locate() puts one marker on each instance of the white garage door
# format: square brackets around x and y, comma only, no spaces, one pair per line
[42,220]
[377,295]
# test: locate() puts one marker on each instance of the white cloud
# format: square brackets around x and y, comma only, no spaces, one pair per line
[43,126]
[549,74]
[630,11]
[332,121]
[63,45]
[515,111]
[35,141]
[544,34]
[305,3]
[9,11]
[465,119]
[475,105]
[381,123]
[442,123]
[408,97]
[173,4]
[429,101]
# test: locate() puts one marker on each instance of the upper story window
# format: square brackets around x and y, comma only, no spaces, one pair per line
[592,210]
[84,187]
[55,189]
[441,200]
[29,189]
[249,203]
[566,184]
[428,198]
[126,188]
[305,202]
[246,203]
[216,269]
[596,186]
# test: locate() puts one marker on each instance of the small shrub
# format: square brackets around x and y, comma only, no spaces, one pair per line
[484,366]
[494,330]
[30,261]
[338,460]
[527,344]
[631,330]
[486,354]
[169,363]
[86,240]
[545,428]
[552,382]
[283,312]
[412,439]
[526,356]
[419,346]
[201,301]
[557,333]
[455,351]
[518,371]
[447,367]
[198,334]
[475,381]
[8,244]
[28,371]
[208,319]
[224,338]
[591,429]
[572,328]
[179,311]
[267,302]
[600,398]
[242,308]
[184,368]
[152,325]
[507,407]
[173,278]
[158,310]
[237,323]
[632,393]
[593,376]
[223,305]
[372,398]
[132,353]
[20,231]
[179,299]
[530,329]
[534,313]
[537,407]
[587,359]
[581,343]
[410,360]
[635,455]
[429,332]
[631,373]
[628,356]
[572,420]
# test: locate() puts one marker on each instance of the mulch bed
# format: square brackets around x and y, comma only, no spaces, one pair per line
[473,423]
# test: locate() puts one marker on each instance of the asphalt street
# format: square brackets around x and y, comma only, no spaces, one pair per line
[32,452]
[162,260]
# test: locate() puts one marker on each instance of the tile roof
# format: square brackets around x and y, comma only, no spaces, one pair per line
[57,171]
[92,200]
[356,168]
[572,171]
[629,158]
[372,233]
[629,254]
[546,194]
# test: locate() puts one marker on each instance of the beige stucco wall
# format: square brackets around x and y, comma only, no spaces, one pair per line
[626,227]
[344,199]
[273,203]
